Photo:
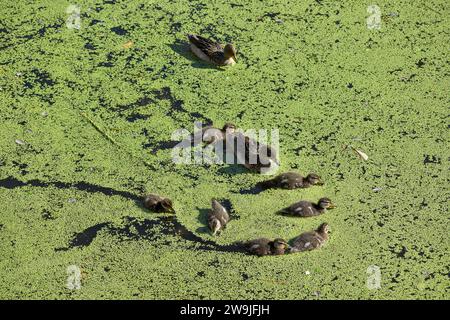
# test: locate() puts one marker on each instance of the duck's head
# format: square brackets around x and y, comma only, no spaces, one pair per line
[230,51]
[314,179]
[326,203]
[229,127]
[214,225]
[324,228]
[280,244]
[167,205]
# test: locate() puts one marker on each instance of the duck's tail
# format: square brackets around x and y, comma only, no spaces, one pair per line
[293,250]
[266,184]
[283,212]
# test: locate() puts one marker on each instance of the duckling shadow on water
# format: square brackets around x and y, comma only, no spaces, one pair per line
[183,49]
[232,169]
[203,219]
[252,190]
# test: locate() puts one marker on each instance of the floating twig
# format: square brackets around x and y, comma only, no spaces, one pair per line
[360,153]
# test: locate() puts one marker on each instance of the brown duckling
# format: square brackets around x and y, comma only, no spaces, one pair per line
[310,240]
[291,180]
[253,155]
[156,203]
[307,208]
[207,135]
[218,217]
[265,247]
[213,135]
[212,51]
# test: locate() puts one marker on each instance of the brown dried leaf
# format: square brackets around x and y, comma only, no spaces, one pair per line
[128,45]
[361,154]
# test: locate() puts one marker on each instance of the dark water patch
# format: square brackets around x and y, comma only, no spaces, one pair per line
[409,78]
[42,31]
[134,59]
[399,254]
[431,159]
[394,279]
[298,150]
[176,27]
[423,204]
[46,215]
[271,15]
[327,137]
[89,46]
[21,166]
[110,59]
[395,70]
[214,263]
[164,71]
[421,62]
[137,116]
[11,183]
[198,116]
[37,76]
[94,22]
[119,31]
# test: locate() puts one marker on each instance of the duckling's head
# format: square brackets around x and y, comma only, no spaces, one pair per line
[167,205]
[280,244]
[229,51]
[326,203]
[214,225]
[230,127]
[151,201]
[324,228]
[314,179]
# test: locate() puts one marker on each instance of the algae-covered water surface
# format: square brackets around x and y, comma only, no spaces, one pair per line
[92,91]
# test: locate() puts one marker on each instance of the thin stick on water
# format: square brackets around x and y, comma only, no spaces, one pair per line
[106,135]
[114,142]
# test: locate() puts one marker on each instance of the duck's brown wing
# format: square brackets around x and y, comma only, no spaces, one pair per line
[220,212]
[207,46]
[303,209]
[259,247]
[307,241]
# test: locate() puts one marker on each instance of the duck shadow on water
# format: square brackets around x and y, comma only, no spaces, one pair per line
[233,169]
[182,48]
[203,219]
[252,190]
